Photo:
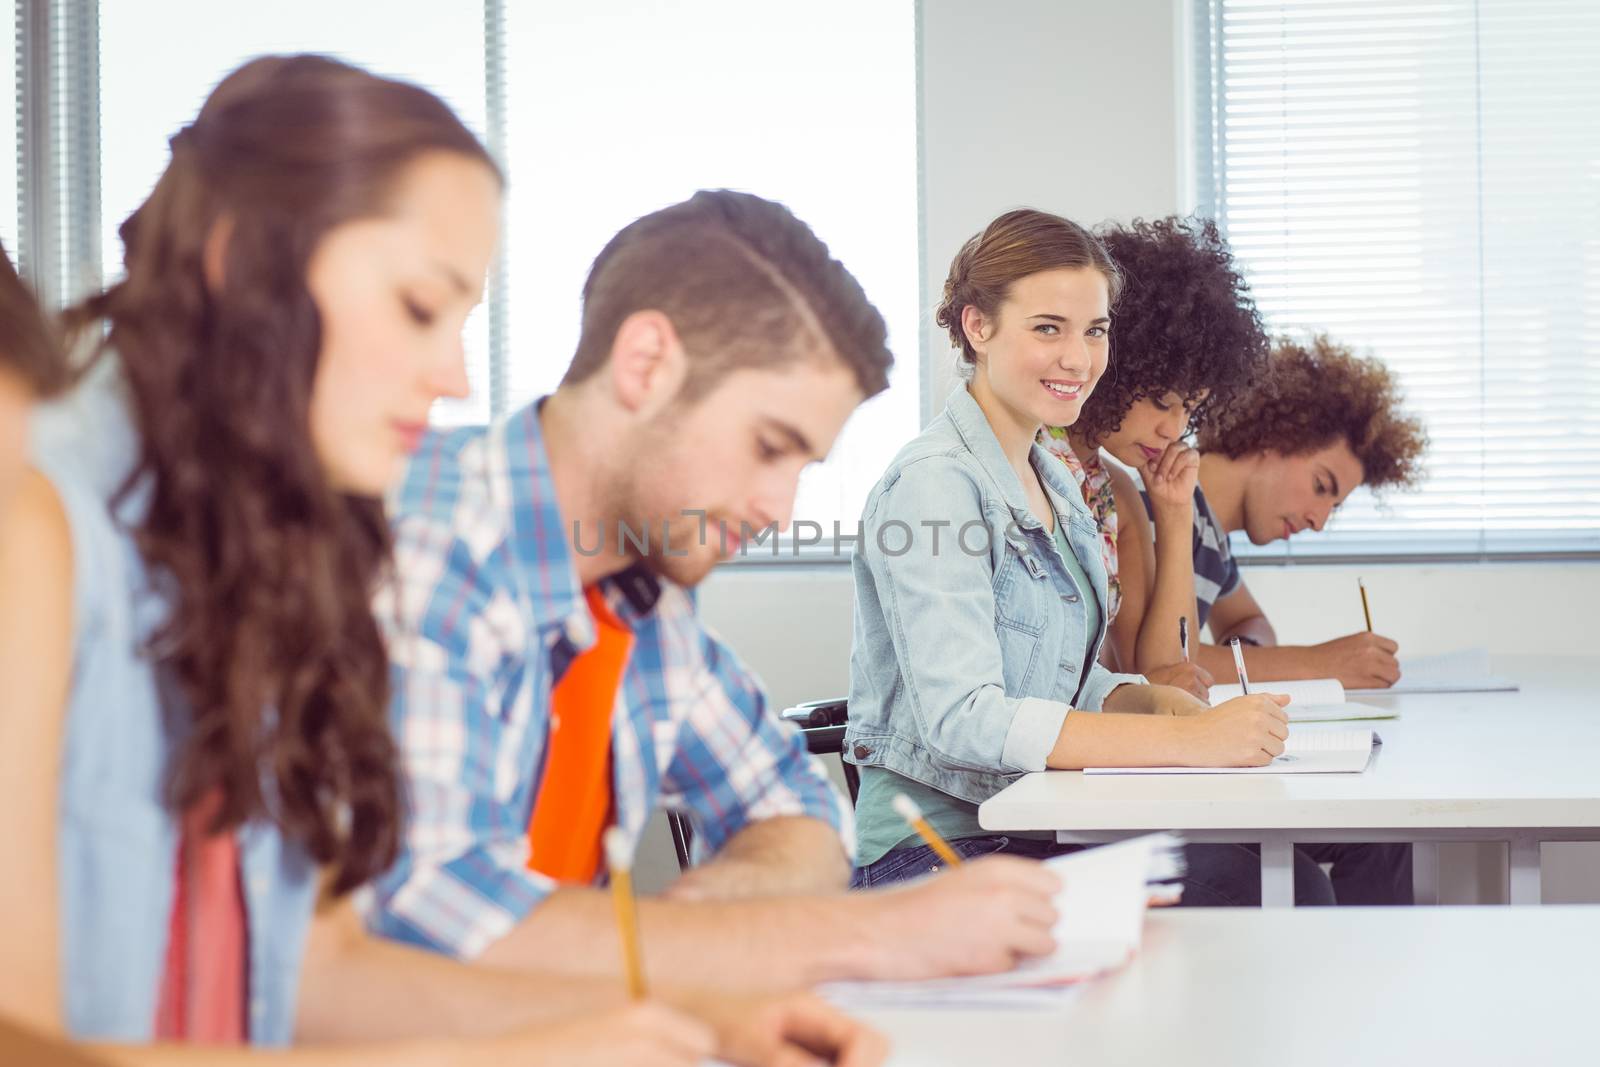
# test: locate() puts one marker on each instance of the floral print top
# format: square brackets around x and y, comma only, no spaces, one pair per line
[1095,481]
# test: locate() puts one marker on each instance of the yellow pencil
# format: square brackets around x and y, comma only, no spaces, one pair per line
[912,814]
[1365,610]
[620,865]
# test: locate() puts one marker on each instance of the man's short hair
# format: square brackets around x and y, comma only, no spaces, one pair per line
[745,283]
[1314,394]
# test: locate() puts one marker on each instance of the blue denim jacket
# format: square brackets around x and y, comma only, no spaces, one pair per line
[118,842]
[966,658]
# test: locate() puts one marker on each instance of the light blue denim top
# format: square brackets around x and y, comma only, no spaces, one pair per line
[970,635]
[118,839]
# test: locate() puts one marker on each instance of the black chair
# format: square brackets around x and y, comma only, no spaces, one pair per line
[823,723]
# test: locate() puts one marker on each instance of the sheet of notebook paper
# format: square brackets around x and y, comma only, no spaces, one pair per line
[1306,752]
[1100,906]
[1465,671]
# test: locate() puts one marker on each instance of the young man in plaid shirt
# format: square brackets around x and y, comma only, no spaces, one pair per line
[722,350]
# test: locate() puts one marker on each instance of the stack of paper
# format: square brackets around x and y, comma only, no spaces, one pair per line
[1312,700]
[1306,752]
[1101,907]
[1452,672]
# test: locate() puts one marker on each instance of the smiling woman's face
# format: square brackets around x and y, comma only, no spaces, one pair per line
[1041,354]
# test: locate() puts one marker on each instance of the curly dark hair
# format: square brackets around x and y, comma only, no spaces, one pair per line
[1185,324]
[1315,394]
[29,345]
[272,639]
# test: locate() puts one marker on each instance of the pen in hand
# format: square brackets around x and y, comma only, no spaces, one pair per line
[1238,663]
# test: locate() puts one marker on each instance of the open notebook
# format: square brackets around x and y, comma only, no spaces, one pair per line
[1312,700]
[1306,752]
[1101,905]
[1453,672]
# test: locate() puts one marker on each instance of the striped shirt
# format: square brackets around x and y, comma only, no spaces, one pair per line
[1216,572]
[485,616]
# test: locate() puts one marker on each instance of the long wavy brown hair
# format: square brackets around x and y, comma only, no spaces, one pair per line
[272,637]
[29,346]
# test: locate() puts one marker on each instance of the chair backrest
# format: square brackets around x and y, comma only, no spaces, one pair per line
[822,722]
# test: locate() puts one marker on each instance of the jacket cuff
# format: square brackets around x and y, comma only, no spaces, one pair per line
[1102,683]
[1035,727]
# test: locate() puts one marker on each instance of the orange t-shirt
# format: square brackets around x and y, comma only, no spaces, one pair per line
[573,804]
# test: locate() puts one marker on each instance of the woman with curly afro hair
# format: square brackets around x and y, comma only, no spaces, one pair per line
[976,654]
[1319,423]
[1187,339]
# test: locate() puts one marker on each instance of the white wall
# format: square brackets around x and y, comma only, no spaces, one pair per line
[1068,106]
[793,626]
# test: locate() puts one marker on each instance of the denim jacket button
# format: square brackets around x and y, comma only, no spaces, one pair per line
[1070,598]
[862,752]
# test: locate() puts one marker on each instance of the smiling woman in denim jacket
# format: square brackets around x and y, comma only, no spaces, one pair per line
[980,586]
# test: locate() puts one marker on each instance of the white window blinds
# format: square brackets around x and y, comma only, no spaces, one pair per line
[1422,180]
[8,130]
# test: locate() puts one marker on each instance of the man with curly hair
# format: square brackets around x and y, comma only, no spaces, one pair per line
[1189,354]
[1320,423]
[1186,339]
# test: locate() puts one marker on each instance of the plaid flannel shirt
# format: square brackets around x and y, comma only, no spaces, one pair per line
[484,616]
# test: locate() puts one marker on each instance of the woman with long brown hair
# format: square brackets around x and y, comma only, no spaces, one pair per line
[196,685]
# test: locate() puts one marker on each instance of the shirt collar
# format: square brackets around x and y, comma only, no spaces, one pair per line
[976,433]
[544,556]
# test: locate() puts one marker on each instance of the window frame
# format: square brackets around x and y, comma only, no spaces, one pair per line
[59,194]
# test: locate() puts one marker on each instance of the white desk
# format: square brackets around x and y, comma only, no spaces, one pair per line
[1460,987]
[1520,767]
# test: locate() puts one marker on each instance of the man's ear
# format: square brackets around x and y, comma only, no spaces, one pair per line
[648,366]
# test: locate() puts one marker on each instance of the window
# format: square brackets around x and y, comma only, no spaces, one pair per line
[601,112]
[1422,180]
[149,89]
[617,109]
[8,134]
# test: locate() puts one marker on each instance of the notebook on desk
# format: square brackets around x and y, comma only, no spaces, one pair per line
[1466,671]
[1310,700]
[1306,752]
[1100,906]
